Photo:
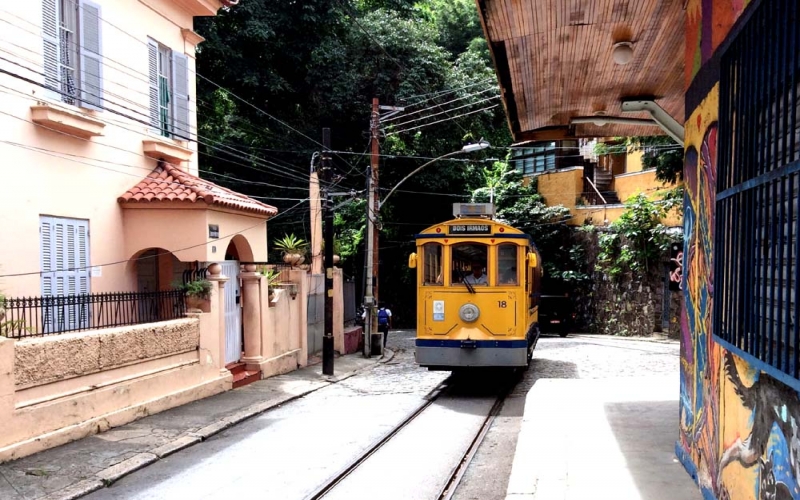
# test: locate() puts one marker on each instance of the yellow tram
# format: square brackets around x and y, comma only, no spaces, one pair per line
[477,292]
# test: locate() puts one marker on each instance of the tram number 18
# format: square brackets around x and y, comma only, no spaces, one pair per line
[502,304]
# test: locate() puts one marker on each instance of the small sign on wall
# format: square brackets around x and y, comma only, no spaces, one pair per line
[213,231]
[97,271]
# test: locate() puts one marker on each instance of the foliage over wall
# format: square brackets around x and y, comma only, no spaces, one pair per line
[637,241]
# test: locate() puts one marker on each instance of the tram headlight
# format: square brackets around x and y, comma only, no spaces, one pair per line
[469,313]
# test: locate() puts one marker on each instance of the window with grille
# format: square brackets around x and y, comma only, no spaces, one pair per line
[71,32]
[757,229]
[169,91]
[536,159]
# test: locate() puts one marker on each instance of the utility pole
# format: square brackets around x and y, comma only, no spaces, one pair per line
[371,322]
[327,176]
[374,201]
[373,211]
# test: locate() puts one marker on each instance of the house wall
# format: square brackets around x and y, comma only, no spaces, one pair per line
[54,173]
[643,181]
[60,388]
[561,187]
[633,161]
[717,423]
[284,333]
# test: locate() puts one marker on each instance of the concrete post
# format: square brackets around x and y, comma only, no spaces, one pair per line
[300,278]
[338,311]
[251,316]
[216,276]
[6,383]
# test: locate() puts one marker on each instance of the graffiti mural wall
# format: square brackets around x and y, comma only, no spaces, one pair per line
[739,426]
[708,22]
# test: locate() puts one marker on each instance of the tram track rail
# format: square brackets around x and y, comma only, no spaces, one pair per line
[459,469]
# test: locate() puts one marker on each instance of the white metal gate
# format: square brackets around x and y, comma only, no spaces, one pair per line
[233,312]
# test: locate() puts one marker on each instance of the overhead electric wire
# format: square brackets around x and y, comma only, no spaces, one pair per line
[135,153]
[438,93]
[440,121]
[70,156]
[277,171]
[168,252]
[406,115]
[398,125]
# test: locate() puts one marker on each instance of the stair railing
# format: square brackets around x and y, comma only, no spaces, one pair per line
[596,191]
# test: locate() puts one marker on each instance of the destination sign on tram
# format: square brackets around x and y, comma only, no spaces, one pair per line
[471,229]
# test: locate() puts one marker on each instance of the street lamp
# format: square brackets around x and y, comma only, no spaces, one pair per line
[469,148]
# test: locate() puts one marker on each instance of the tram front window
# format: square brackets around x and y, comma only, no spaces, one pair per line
[469,264]
[432,264]
[507,264]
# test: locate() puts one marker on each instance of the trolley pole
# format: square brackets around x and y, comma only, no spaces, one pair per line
[327,174]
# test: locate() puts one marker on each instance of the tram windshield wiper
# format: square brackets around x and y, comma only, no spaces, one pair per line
[467,283]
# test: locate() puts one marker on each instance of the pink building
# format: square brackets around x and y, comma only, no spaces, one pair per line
[101,196]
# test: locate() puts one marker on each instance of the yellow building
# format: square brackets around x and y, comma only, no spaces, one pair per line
[594,188]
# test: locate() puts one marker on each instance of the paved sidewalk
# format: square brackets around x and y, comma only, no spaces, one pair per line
[78,468]
[611,438]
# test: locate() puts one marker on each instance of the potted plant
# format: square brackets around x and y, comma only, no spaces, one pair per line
[337,246]
[273,276]
[293,249]
[337,251]
[197,293]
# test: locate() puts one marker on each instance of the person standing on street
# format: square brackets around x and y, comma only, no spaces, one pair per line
[384,321]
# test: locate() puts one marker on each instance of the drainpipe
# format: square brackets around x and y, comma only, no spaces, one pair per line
[669,124]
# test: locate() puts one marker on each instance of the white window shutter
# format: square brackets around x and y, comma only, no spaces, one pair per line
[91,55]
[52,57]
[180,102]
[65,272]
[152,49]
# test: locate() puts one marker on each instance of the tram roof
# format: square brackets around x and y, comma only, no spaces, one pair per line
[472,228]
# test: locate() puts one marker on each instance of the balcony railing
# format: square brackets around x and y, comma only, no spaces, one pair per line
[39,316]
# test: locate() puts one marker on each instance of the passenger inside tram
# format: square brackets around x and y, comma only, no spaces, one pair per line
[469,264]
[477,277]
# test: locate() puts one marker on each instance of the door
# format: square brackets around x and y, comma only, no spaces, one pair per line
[233,312]
[147,282]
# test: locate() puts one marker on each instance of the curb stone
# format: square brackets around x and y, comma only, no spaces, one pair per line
[175,445]
[109,475]
[77,490]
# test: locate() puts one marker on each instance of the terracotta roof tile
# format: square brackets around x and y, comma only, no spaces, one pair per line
[169,183]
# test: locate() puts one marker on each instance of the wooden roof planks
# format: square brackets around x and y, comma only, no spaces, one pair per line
[554,62]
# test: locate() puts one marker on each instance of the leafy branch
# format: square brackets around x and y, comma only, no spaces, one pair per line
[638,239]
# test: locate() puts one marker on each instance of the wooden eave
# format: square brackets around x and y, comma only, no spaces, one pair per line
[553,60]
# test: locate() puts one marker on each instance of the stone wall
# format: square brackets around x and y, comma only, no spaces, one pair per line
[630,305]
[45,360]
